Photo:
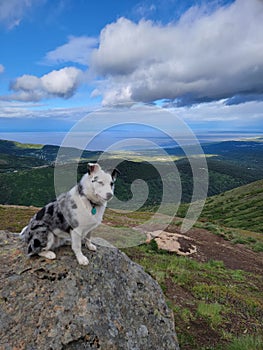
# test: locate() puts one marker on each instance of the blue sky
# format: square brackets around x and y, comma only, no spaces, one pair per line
[62,59]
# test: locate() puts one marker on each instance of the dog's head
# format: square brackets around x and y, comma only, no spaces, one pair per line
[101,183]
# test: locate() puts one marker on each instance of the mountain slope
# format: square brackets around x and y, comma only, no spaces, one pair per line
[10,163]
[27,187]
[22,184]
[46,153]
[241,207]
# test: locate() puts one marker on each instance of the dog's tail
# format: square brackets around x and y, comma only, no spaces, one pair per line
[22,233]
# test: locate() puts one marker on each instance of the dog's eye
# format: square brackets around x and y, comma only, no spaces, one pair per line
[112,183]
[101,183]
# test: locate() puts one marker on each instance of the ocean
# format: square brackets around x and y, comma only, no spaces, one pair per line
[106,140]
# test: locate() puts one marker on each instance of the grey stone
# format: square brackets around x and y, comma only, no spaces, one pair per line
[111,304]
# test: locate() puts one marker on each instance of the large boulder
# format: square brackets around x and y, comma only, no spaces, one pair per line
[57,304]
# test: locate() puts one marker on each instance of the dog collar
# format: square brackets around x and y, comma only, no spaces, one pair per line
[93,209]
[93,205]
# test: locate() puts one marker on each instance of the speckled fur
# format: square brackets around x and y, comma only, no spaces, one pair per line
[69,217]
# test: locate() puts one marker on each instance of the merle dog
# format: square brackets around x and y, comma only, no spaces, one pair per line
[72,216]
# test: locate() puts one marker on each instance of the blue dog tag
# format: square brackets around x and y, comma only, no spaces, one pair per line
[93,210]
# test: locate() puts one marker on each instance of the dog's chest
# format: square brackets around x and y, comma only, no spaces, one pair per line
[90,217]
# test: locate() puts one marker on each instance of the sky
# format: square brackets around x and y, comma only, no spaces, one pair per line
[61,60]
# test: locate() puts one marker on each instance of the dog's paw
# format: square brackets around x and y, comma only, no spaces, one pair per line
[83,260]
[48,254]
[91,246]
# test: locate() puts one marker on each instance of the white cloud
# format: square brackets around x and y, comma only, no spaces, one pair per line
[77,50]
[25,110]
[213,115]
[58,83]
[204,56]
[13,11]
[218,111]
[2,68]
[63,82]
[27,83]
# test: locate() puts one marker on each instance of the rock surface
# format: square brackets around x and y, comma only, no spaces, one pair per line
[172,242]
[111,304]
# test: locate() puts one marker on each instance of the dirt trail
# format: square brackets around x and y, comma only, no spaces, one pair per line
[234,256]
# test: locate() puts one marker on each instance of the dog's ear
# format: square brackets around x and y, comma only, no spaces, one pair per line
[93,168]
[114,173]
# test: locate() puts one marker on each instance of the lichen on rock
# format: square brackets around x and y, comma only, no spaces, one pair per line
[111,304]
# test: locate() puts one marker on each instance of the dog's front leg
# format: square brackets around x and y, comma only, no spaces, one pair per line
[76,247]
[88,243]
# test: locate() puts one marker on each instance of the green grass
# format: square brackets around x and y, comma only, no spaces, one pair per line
[211,303]
[247,342]
[27,145]
[15,218]
[235,215]
[238,208]
[258,247]
[211,312]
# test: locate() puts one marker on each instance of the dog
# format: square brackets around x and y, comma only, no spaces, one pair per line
[72,216]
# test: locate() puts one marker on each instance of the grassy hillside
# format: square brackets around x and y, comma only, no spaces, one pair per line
[215,307]
[217,304]
[241,207]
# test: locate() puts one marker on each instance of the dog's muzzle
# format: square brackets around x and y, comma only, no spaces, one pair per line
[109,196]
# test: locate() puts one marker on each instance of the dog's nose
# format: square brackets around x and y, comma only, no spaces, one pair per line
[109,196]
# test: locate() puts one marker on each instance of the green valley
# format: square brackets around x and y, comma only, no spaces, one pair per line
[26,171]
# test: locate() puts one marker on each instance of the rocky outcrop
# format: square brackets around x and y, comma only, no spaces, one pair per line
[172,242]
[111,304]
